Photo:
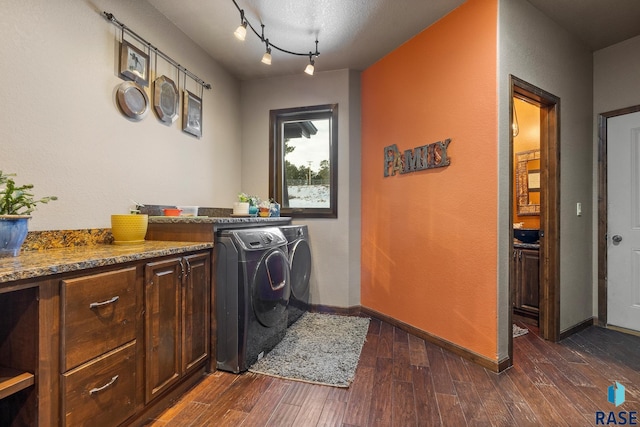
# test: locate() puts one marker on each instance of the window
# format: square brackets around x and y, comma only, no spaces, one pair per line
[303,167]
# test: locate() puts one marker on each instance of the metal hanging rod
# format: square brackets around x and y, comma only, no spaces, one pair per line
[109,17]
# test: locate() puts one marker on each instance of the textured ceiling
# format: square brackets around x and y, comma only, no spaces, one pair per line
[351,33]
[355,34]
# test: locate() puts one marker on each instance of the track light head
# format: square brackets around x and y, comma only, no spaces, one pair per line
[311,66]
[266,58]
[241,31]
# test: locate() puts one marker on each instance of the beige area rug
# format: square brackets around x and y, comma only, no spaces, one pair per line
[318,348]
[518,331]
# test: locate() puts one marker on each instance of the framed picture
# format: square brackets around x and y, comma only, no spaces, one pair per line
[192,114]
[134,64]
[165,99]
[534,180]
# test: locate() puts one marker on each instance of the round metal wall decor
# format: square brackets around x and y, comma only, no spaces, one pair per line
[132,100]
[165,99]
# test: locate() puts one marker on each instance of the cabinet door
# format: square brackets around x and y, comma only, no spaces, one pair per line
[195,311]
[529,280]
[162,325]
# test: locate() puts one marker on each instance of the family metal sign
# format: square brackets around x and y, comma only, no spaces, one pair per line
[420,158]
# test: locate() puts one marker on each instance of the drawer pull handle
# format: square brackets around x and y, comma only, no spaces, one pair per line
[99,389]
[100,304]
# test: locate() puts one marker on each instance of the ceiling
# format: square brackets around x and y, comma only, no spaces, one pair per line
[355,34]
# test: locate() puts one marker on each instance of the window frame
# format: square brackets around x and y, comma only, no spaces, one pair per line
[276,157]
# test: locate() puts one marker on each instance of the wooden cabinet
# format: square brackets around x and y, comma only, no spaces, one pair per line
[176,318]
[98,348]
[107,345]
[18,357]
[526,285]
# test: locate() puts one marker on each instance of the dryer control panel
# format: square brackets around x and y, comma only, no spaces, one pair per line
[259,238]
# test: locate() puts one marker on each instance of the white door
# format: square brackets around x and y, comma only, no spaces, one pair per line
[623,227]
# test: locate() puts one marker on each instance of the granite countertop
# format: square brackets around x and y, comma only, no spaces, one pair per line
[220,222]
[42,263]
[518,244]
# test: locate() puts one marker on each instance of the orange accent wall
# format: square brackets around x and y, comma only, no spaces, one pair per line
[429,238]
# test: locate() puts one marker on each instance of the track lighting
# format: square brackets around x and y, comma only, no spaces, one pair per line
[241,33]
[311,66]
[266,58]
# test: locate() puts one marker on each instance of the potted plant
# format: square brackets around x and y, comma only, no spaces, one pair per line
[241,207]
[246,205]
[16,204]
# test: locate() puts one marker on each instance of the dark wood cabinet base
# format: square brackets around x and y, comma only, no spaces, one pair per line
[76,347]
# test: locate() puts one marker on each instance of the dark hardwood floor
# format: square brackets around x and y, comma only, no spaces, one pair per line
[402,380]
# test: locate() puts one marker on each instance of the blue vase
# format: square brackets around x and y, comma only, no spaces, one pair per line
[13,231]
[253,210]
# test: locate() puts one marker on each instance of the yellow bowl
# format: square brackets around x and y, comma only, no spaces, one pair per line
[129,229]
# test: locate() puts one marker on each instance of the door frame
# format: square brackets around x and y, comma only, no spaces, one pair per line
[549,317]
[602,208]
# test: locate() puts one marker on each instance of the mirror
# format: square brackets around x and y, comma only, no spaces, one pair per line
[303,167]
[528,182]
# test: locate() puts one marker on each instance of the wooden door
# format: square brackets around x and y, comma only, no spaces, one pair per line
[162,325]
[195,311]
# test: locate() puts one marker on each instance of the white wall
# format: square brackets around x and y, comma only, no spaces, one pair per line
[616,77]
[335,243]
[535,49]
[616,85]
[61,129]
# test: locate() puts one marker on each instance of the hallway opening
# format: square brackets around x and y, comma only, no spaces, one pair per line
[535,165]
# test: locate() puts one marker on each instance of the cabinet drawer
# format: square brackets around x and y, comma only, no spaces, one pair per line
[98,315]
[102,392]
